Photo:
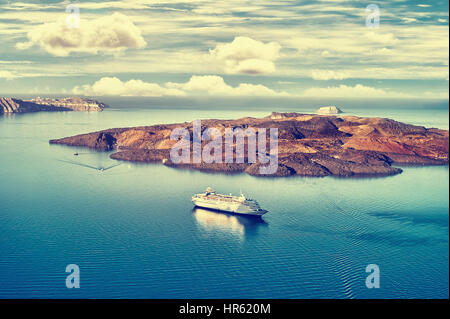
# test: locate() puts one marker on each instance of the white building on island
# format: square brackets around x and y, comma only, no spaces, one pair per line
[331,109]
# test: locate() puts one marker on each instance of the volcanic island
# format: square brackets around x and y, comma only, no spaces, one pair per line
[308,145]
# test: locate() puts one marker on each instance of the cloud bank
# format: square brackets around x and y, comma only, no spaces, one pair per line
[107,34]
[214,85]
[7,75]
[211,85]
[114,86]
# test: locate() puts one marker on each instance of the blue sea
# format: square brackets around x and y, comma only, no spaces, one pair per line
[133,232]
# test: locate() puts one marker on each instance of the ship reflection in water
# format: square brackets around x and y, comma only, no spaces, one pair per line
[215,221]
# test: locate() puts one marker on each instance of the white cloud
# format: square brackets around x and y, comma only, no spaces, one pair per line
[246,55]
[7,75]
[415,52]
[15,62]
[212,85]
[358,91]
[435,95]
[409,20]
[114,86]
[330,37]
[250,66]
[215,85]
[329,75]
[380,37]
[105,34]
[319,43]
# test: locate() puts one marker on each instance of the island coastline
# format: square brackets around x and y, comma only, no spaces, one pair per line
[309,145]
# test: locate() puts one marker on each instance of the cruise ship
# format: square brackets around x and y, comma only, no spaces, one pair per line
[228,203]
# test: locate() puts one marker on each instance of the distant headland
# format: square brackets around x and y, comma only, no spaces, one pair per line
[308,145]
[13,105]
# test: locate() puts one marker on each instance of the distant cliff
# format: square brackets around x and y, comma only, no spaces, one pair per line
[13,105]
[309,145]
[72,103]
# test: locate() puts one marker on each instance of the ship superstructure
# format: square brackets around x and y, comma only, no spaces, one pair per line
[228,203]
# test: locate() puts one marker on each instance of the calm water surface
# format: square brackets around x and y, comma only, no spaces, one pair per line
[134,234]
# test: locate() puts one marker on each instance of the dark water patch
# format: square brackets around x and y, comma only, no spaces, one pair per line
[431,217]
[393,238]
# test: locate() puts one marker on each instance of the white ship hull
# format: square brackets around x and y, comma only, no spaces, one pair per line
[228,203]
[230,207]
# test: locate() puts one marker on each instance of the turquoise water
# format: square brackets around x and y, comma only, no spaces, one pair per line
[133,232]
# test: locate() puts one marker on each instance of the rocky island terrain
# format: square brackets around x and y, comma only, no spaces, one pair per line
[308,145]
[13,105]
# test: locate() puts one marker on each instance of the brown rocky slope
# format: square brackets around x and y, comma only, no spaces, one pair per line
[309,145]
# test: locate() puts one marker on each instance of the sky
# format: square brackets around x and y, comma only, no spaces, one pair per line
[186,48]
